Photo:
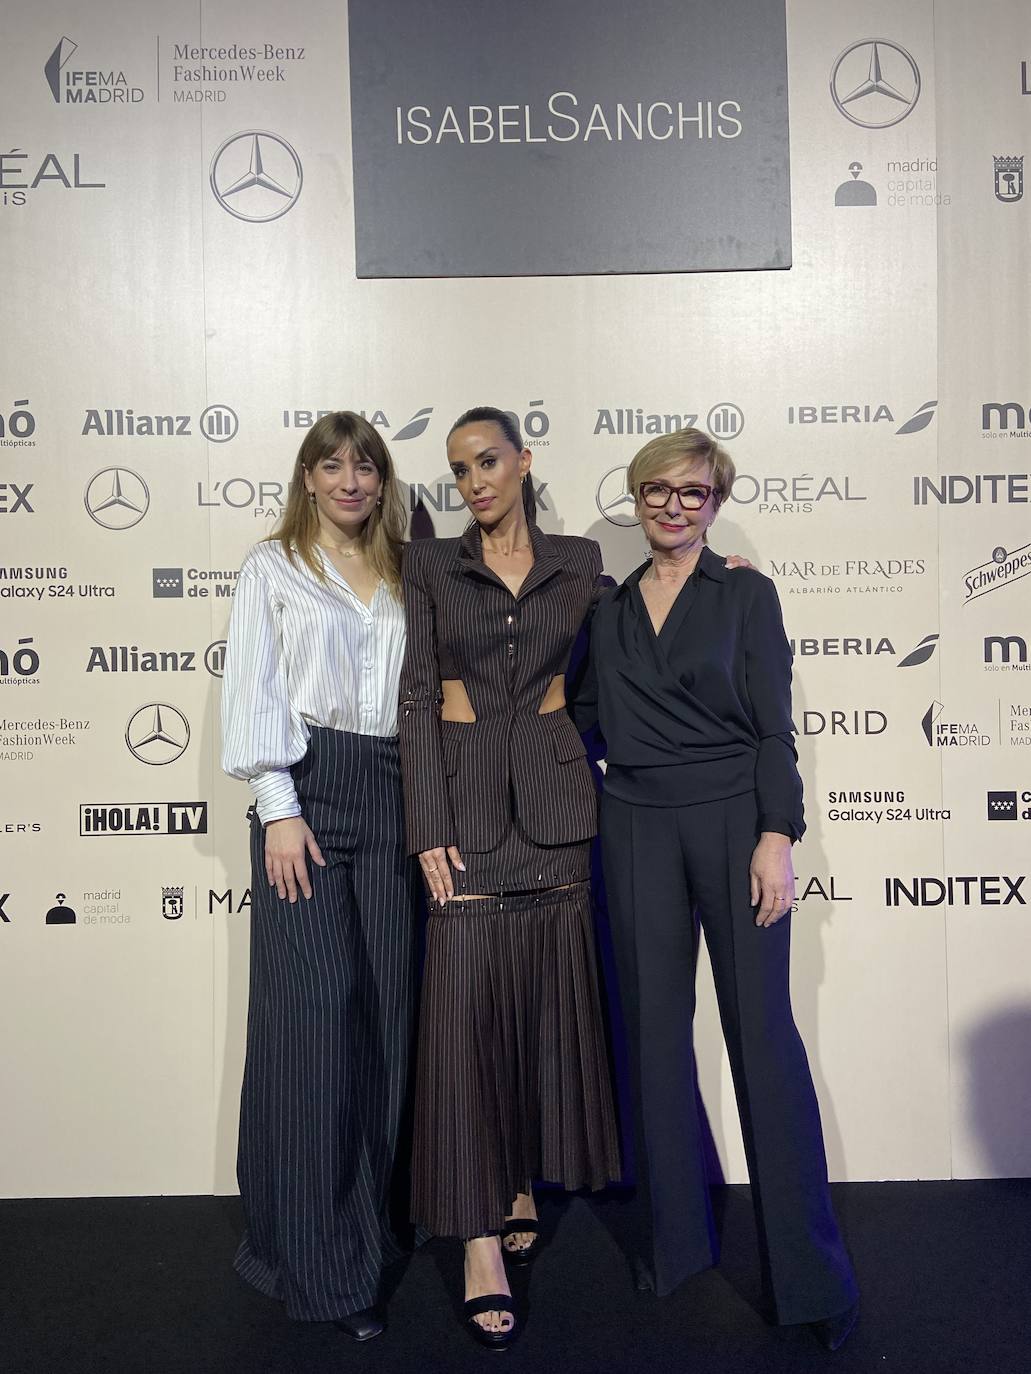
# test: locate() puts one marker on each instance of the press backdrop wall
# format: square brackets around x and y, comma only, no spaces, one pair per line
[863,392]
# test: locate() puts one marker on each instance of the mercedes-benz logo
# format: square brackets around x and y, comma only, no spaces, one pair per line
[614,501]
[157,733]
[117,498]
[256,176]
[875,83]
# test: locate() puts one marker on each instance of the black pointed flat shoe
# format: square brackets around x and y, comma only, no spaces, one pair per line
[519,1226]
[490,1302]
[833,1332]
[361,1326]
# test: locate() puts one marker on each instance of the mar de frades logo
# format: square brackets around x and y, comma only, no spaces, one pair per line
[74,85]
[256,176]
[875,83]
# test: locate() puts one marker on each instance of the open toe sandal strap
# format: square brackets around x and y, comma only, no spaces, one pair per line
[519,1225]
[490,1302]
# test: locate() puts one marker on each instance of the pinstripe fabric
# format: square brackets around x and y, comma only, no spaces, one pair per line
[328,1036]
[463,622]
[302,653]
[513,1080]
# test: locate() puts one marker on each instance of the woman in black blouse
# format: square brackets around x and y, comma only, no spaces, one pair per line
[690,681]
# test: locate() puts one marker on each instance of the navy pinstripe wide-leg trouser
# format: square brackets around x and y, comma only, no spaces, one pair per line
[329,1033]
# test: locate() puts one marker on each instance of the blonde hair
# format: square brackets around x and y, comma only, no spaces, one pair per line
[667,450]
[382,537]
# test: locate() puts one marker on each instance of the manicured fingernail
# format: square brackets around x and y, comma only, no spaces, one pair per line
[461,868]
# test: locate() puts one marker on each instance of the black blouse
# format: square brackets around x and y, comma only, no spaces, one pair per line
[702,710]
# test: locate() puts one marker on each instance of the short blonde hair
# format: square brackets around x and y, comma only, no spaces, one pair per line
[682,445]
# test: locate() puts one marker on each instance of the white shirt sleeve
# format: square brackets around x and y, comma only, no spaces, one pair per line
[262,735]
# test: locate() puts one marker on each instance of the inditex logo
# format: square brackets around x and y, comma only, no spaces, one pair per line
[1001,570]
[142,818]
[256,176]
[116,498]
[157,734]
[982,489]
[875,83]
[14,498]
[995,890]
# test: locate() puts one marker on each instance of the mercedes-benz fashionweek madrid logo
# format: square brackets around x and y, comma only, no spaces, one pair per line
[256,176]
[157,733]
[614,501]
[875,83]
[117,498]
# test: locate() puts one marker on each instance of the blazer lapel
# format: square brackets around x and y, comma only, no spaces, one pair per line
[547,560]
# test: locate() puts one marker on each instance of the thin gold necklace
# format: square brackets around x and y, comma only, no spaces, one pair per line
[342,553]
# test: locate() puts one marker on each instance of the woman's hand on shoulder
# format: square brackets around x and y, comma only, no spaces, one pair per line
[288,842]
[737,560]
[436,870]
[772,878]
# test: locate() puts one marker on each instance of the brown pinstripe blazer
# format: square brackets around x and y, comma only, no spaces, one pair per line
[464,782]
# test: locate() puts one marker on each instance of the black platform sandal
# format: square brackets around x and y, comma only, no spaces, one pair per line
[515,1227]
[490,1302]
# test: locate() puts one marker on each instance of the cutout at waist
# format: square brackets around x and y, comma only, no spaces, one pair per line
[458,707]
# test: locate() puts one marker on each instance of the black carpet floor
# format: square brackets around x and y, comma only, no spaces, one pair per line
[146,1286]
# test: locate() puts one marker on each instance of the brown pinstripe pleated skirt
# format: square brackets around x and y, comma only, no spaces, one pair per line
[513,1078]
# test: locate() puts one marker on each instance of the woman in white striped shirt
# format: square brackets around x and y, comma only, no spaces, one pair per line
[309,719]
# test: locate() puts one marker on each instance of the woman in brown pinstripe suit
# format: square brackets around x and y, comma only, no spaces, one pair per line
[513,1081]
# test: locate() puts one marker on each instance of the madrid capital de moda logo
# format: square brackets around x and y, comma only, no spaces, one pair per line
[875,83]
[256,176]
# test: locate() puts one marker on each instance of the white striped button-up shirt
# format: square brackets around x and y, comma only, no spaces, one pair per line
[302,653]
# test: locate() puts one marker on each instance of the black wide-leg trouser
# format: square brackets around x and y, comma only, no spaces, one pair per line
[666,871]
[329,1033]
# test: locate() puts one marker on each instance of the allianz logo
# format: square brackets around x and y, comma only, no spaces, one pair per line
[217,423]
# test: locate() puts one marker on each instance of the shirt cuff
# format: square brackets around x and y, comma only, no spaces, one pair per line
[779,826]
[275,795]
